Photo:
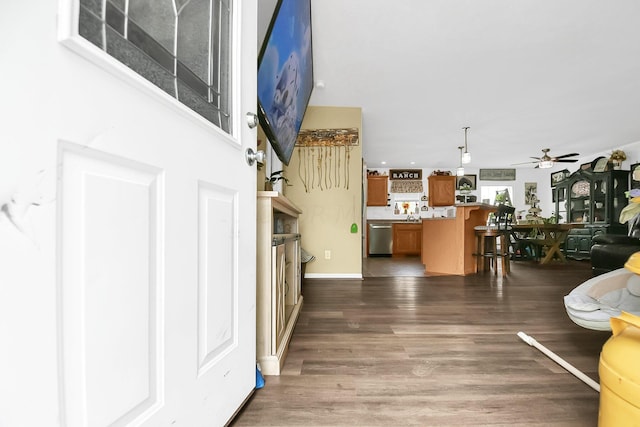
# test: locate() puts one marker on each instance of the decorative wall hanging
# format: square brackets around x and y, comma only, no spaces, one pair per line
[601,164]
[466,183]
[324,157]
[557,177]
[635,175]
[406,180]
[406,186]
[530,192]
[405,174]
[497,174]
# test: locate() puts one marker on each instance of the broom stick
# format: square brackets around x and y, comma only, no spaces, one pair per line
[560,361]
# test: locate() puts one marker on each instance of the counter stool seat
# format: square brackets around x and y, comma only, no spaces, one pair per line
[492,242]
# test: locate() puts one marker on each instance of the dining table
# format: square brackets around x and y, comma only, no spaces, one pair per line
[549,236]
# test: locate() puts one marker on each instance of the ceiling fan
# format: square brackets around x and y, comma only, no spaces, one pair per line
[547,161]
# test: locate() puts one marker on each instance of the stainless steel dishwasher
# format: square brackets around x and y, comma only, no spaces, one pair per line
[380,239]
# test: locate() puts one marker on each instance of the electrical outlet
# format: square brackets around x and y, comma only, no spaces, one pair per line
[327,254]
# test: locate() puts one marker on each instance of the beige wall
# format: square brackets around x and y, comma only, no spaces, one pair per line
[328,214]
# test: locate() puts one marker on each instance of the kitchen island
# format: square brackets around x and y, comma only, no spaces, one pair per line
[448,244]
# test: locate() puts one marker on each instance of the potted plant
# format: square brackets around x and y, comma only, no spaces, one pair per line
[274,178]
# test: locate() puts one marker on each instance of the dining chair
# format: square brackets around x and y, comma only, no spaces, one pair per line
[492,241]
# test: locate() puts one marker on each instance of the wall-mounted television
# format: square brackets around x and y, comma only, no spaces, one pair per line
[285,75]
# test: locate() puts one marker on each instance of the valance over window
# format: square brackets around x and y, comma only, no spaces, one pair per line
[406,187]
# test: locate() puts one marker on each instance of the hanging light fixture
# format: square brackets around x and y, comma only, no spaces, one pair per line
[545,164]
[545,161]
[466,156]
[460,170]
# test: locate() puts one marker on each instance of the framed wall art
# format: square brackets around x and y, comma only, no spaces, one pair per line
[601,164]
[468,181]
[635,175]
[530,192]
[497,174]
[559,176]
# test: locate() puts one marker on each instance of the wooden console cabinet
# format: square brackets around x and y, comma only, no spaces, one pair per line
[278,292]
[377,190]
[442,190]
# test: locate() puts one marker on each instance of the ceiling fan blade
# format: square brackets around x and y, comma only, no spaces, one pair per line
[536,158]
[566,155]
[525,163]
[566,160]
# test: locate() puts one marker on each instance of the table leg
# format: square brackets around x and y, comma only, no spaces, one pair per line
[558,239]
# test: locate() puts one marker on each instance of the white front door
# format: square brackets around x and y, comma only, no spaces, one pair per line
[127,239]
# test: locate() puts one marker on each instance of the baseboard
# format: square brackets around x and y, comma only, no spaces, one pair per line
[333,276]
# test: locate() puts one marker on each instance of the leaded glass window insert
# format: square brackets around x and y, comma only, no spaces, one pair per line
[181,46]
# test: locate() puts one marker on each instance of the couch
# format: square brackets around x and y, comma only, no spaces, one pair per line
[611,251]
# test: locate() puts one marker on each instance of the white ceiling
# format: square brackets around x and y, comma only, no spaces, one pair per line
[523,75]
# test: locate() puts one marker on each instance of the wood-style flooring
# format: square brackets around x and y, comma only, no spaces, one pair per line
[396,350]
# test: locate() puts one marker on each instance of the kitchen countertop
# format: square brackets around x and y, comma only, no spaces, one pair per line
[436,218]
[393,221]
[482,205]
[403,221]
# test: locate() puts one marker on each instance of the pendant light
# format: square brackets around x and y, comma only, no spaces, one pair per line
[466,156]
[460,170]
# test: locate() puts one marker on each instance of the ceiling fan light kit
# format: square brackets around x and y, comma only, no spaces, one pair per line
[545,164]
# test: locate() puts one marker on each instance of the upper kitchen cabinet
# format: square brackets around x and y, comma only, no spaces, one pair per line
[442,190]
[377,190]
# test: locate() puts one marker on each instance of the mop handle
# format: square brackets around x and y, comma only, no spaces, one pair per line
[560,361]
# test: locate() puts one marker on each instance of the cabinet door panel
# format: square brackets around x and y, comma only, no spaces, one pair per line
[407,239]
[278,297]
[442,190]
[377,190]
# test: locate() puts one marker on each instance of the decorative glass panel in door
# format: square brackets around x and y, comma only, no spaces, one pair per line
[180,46]
[580,201]
[599,203]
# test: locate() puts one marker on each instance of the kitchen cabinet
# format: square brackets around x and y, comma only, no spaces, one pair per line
[594,199]
[578,243]
[377,190]
[278,288]
[407,238]
[442,190]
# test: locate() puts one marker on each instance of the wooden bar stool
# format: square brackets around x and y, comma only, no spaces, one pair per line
[492,241]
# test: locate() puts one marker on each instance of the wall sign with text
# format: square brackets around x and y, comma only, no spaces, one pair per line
[497,174]
[405,174]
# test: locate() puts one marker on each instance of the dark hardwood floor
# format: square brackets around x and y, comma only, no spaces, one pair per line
[434,351]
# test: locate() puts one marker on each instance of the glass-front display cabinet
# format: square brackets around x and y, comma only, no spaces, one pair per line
[593,200]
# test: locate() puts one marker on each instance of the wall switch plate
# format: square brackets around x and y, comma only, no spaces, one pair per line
[327,254]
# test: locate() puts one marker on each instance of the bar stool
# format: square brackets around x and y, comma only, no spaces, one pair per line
[492,241]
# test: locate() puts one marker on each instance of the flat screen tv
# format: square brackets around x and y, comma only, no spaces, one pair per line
[285,75]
